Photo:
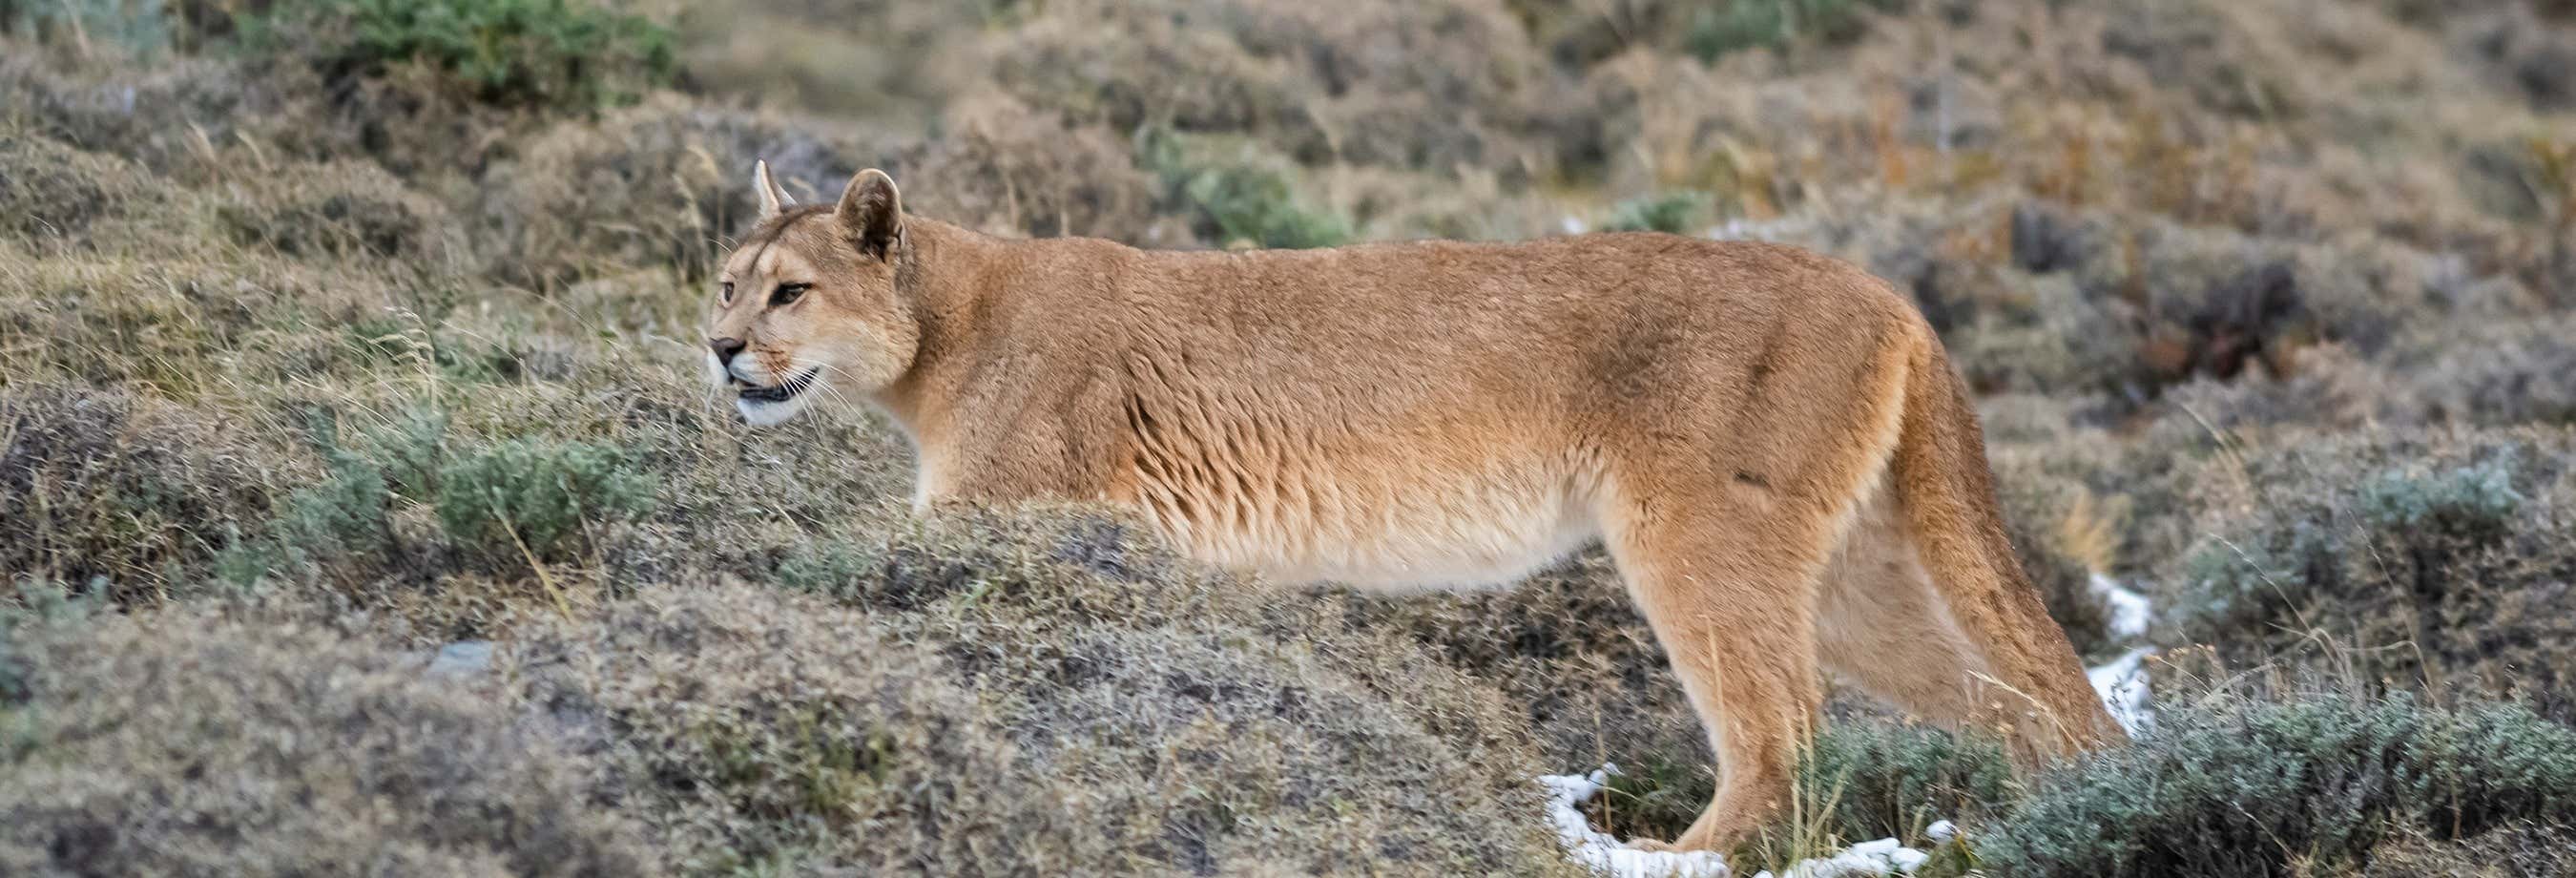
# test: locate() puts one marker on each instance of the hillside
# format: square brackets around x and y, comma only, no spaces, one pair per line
[363,509]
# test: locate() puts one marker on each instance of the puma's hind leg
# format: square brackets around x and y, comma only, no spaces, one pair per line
[1883,628]
[1722,546]
[1732,615]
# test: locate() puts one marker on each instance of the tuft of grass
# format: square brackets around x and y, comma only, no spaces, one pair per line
[1859,779]
[113,492]
[534,497]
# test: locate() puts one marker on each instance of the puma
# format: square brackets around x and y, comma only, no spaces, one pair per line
[1771,443]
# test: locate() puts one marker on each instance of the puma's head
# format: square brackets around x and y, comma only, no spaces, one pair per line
[808,303]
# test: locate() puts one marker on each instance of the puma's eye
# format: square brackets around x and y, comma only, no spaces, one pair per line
[724,292]
[788,293]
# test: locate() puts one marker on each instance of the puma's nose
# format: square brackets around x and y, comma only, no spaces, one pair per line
[725,348]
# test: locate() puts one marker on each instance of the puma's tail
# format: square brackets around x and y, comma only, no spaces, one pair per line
[1947,497]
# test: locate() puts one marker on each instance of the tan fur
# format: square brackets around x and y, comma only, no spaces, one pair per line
[1771,443]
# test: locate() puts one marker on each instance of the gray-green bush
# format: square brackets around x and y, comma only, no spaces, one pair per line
[2305,785]
[536,497]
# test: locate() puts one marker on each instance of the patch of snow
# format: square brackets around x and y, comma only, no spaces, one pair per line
[1573,225]
[1603,853]
[1738,229]
[1741,229]
[1885,856]
[2123,685]
[1941,831]
[2129,609]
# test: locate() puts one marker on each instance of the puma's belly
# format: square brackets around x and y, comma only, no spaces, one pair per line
[1400,524]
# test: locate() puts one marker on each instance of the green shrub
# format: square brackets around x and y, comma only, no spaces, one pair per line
[1675,212]
[2233,787]
[143,27]
[344,523]
[1256,205]
[537,495]
[555,53]
[1242,196]
[347,513]
[1734,25]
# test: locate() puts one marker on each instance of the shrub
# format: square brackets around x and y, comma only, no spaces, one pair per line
[1256,206]
[196,743]
[1443,86]
[1006,168]
[2443,549]
[1568,648]
[1735,25]
[535,496]
[1673,212]
[2305,784]
[657,186]
[345,209]
[1883,779]
[1241,196]
[556,53]
[50,190]
[2474,502]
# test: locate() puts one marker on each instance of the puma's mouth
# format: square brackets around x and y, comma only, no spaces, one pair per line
[780,392]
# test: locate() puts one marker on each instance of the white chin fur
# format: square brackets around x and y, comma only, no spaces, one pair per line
[768,414]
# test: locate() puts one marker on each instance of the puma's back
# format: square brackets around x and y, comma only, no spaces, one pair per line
[1432,413]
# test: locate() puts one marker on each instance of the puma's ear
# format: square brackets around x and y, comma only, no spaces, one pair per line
[871,213]
[772,198]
